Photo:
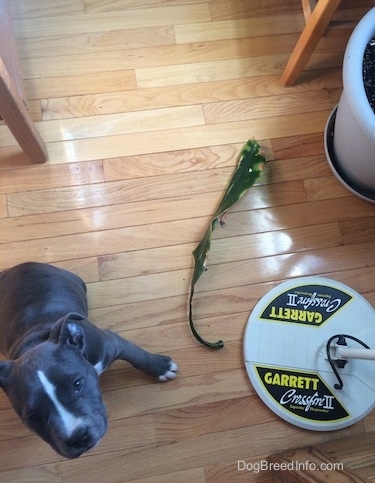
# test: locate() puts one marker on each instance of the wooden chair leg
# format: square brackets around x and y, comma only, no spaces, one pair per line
[316,24]
[18,120]
[12,106]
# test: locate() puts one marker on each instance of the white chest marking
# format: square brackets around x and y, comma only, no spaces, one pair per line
[69,421]
[99,368]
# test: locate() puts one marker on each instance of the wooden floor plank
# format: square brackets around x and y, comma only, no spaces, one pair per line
[195,474]
[49,473]
[145,106]
[233,445]
[179,139]
[222,10]
[3,206]
[45,88]
[229,29]
[118,5]
[109,21]
[45,177]
[34,8]
[97,42]
[114,124]
[129,99]
[116,192]
[285,104]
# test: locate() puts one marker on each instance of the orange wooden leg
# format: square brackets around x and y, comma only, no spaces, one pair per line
[17,118]
[12,105]
[316,24]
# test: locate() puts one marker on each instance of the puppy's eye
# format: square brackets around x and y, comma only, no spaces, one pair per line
[77,385]
[34,419]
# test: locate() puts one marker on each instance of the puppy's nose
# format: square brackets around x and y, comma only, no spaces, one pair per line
[81,438]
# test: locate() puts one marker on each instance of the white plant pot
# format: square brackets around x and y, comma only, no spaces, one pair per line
[350,130]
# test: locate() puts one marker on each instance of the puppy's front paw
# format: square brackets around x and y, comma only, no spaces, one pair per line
[170,373]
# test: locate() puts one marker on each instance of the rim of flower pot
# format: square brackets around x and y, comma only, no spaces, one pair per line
[367,195]
[353,73]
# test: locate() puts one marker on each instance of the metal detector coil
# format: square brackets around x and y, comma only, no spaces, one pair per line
[307,353]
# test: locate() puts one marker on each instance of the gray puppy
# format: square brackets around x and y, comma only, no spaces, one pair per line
[56,356]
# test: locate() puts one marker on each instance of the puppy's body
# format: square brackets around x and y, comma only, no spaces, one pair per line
[56,356]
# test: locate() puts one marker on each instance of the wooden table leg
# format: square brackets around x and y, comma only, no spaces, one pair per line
[18,120]
[12,105]
[310,36]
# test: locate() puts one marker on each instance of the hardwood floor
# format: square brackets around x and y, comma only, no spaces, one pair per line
[144,106]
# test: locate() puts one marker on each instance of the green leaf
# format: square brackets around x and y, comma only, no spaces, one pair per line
[249,167]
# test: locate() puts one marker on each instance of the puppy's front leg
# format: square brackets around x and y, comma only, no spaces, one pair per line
[162,367]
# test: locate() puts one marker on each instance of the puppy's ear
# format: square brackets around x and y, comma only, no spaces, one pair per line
[74,336]
[5,367]
[67,331]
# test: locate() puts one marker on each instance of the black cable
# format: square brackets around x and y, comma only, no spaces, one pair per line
[340,384]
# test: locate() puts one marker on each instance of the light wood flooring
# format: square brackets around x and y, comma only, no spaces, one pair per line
[144,106]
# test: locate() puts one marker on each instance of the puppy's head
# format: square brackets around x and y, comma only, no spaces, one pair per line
[55,390]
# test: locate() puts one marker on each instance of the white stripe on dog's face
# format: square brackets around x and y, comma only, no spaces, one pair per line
[69,421]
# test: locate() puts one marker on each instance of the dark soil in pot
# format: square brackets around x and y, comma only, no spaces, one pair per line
[369,72]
